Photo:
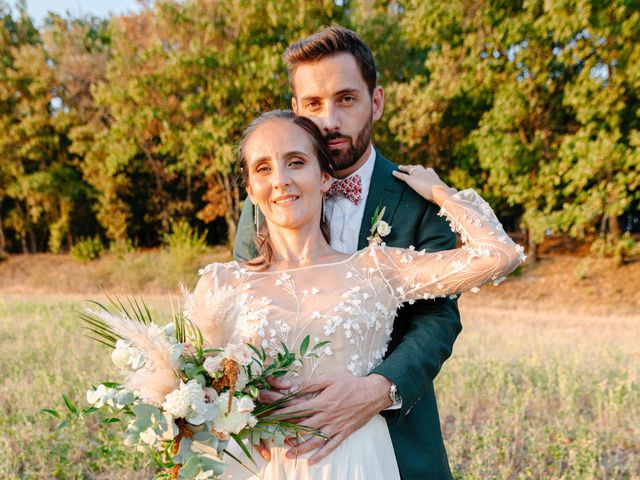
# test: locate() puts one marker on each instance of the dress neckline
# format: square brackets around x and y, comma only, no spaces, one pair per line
[294,269]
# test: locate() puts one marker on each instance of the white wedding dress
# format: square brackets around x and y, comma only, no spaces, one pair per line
[352,303]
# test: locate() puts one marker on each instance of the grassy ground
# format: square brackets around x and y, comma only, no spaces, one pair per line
[548,393]
[43,353]
[150,271]
[544,382]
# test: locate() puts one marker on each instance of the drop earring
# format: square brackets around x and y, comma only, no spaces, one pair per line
[324,207]
[255,219]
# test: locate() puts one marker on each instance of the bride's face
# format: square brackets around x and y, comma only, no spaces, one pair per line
[285,179]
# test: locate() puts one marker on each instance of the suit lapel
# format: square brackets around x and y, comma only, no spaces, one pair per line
[384,191]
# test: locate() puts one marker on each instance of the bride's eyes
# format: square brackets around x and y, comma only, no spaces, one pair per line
[296,162]
[293,162]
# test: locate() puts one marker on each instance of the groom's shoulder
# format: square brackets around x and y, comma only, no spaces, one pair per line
[383,162]
[384,168]
[415,220]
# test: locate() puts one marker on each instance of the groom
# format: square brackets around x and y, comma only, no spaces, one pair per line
[333,77]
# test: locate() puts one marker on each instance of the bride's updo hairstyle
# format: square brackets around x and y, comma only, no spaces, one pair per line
[266,252]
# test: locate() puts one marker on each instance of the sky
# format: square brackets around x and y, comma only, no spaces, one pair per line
[38,8]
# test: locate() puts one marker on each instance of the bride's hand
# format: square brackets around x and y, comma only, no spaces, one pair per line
[424,181]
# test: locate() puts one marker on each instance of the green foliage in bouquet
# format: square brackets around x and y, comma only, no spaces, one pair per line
[182,398]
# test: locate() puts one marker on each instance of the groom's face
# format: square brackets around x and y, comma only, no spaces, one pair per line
[333,93]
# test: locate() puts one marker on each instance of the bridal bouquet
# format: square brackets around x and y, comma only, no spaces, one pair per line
[182,398]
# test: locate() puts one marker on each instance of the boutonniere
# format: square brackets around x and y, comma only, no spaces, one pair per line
[379,228]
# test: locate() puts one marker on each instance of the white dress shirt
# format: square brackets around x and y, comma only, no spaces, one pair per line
[344,216]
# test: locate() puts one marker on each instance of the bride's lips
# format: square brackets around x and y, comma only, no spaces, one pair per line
[285,199]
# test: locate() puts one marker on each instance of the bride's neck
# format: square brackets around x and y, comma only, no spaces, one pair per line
[297,248]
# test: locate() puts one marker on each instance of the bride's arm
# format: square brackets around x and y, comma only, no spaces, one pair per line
[488,254]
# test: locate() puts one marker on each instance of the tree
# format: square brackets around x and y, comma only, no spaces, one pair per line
[530,102]
[184,80]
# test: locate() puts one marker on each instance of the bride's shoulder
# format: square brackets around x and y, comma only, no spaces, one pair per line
[219,268]
[220,273]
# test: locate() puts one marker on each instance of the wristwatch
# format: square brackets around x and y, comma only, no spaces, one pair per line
[394,396]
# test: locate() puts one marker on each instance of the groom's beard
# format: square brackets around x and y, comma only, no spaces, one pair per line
[343,159]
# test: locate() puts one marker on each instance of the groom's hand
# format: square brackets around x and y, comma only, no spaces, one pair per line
[343,405]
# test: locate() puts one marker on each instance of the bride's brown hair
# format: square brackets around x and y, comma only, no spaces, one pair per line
[266,252]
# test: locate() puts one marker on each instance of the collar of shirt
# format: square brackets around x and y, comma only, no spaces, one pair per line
[344,216]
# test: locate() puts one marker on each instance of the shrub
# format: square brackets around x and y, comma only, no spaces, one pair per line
[87,248]
[185,242]
[122,248]
[620,248]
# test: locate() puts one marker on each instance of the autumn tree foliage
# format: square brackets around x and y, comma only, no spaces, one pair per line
[122,126]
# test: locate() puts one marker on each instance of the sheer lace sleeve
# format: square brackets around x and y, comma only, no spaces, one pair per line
[488,254]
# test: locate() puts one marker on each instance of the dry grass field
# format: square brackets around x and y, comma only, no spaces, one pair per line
[542,393]
[544,382]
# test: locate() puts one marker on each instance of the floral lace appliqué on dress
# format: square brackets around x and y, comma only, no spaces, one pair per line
[352,302]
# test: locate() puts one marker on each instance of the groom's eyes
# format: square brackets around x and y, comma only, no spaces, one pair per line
[313,105]
[348,99]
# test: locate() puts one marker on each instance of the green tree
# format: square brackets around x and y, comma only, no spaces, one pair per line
[184,80]
[37,201]
[536,103]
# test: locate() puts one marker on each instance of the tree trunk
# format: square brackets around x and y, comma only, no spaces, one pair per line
[532,248]
[3,239]
[33,246]
[231,229]
[232,212]
[614,227]
[69,240]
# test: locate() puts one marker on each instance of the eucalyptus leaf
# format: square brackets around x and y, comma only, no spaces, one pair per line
[304,345]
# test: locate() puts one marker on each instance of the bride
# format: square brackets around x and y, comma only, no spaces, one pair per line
[299,285]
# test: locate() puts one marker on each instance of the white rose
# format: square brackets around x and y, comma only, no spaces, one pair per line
[213,364]
[232,422]
[246,405]
[239,353]
[188,402]
[383,228]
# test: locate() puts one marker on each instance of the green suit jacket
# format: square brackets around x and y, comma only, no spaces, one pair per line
[423,333]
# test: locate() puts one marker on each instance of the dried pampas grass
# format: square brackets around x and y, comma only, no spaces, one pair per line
[158,376]
[214,311]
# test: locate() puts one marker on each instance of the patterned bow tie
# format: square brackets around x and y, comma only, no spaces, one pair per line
[350,187]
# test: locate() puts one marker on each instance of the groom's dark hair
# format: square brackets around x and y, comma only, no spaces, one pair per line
[326,43]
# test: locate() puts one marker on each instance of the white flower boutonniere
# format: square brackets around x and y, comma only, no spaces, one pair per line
[379,228]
